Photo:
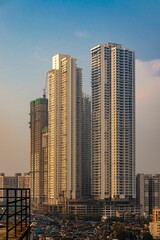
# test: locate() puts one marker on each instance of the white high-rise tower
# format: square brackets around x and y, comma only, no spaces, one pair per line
[64,129]
[113,122]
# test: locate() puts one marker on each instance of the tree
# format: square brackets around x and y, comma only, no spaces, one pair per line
[147,236]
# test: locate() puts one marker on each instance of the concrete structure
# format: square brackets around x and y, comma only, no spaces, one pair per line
[8,182]
[154,226]
[121,209]
[113,122]
[24,181]
[45,165]
[148,192]
[64,129]
[86,145]
[38,120]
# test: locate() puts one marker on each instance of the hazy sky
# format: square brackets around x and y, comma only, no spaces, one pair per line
[32,31]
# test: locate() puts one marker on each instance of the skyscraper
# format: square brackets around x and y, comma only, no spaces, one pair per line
[113,122]
[38,120]
[86,145]
[148,191]
[64,131]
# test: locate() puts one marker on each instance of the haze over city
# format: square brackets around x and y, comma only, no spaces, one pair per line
[31,32]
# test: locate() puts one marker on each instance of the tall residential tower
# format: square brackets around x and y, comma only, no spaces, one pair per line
[86,145]
[64,129]
[113,122]
[38,120]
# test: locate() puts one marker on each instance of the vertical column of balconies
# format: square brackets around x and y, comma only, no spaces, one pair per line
[78,97]
[113,123]
[45,165]
[52,138]
[107,120]
[129,125]
[86,145]
[123,173]
[96,121]
[32,147]
[64,144]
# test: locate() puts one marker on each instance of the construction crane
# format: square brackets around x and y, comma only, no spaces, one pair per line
[45,87]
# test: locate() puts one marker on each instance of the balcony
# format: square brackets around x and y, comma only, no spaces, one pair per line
[14,213]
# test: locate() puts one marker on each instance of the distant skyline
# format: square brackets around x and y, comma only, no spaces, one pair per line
[31,32]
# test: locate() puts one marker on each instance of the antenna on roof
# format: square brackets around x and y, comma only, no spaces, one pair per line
[45,87]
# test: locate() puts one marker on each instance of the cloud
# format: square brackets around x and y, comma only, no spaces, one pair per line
[148,116]
[154,67]
[148,83]
[81,34]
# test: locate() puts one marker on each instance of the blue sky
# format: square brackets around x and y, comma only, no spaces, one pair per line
[32,31]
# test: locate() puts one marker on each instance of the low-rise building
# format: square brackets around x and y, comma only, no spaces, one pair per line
[148,192]
[154,226]
[24,181]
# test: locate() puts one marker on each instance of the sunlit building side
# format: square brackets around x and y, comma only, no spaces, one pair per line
[113,122]
[154,226]
[45,165]
[64,144]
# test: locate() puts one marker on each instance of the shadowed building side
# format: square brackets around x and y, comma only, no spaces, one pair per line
[86,145]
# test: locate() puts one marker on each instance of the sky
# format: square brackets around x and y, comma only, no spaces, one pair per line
[32,31]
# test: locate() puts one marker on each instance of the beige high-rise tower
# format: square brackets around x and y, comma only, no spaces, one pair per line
[113,122]
[64,134]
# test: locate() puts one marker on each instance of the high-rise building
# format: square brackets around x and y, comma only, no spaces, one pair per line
[113,122]
[64,131]
[24,181]
[86,145]
[38,120]
[148,192]
[45,165]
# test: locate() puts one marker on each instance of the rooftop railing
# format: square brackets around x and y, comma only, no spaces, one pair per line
[14,213]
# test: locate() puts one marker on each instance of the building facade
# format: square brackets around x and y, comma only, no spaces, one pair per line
[64,131]
[154,226]
[113,122]
[148,192]
[86,145]
[24,181]
[10,182]
[45,165]
[38,120]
